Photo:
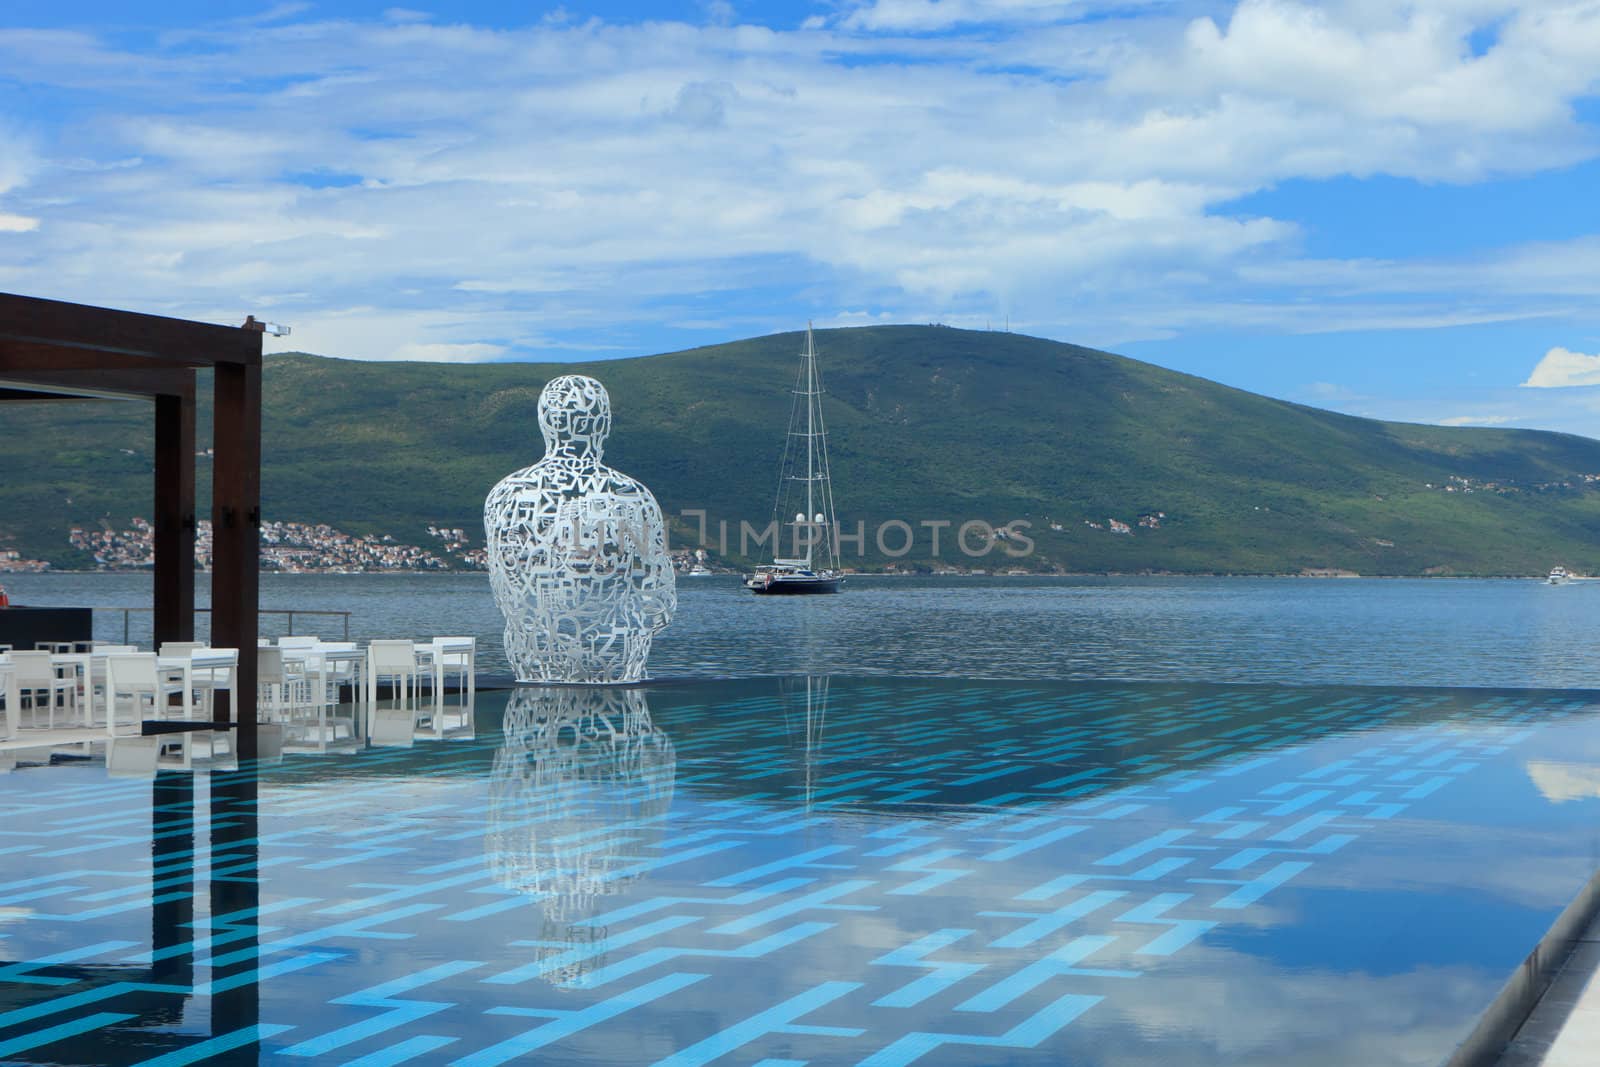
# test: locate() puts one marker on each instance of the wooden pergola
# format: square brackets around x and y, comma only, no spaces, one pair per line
[51,351]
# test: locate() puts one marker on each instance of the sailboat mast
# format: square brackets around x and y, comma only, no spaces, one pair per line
[798,575]
[811,438]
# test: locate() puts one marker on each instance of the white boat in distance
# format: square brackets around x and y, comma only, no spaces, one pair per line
[817,571]
[1558,576]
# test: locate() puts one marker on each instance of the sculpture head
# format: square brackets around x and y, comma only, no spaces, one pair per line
[574,416]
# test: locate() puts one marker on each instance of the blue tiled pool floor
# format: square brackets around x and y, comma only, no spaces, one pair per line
[803,872]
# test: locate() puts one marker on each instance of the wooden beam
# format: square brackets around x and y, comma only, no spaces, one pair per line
[151,380]
[236,534]
[28,396]
[28,319]
[22,356]
[174,524]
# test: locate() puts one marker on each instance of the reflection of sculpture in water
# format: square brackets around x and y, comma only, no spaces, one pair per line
[577,551]
[580,783]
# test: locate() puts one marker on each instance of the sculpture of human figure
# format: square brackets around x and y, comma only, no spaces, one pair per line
[577,551]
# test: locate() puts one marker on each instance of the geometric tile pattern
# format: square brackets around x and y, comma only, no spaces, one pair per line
[865,872]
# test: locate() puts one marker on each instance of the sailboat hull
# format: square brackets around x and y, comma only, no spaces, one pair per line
[794,586]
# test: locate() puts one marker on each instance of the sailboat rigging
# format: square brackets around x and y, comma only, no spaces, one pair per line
[815,529]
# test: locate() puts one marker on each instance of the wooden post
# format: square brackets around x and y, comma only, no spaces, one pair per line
[236,535]
[174,516]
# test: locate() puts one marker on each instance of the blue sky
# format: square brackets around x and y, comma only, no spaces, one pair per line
[1382,208]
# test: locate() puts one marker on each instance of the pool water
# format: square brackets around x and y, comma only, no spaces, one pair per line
[802,871]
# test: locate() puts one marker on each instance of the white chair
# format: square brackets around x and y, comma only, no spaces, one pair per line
[455,656]
[279,690]
[179,650]
[137,676]
[33,674]
[95,683]
[301,658]
[218,673]
[337,669]
[8,697]
[396,661]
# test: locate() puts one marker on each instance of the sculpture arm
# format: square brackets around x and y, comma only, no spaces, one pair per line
[659,584]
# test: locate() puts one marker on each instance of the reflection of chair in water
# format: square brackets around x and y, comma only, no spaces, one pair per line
[447,722]
[580,783]
[132,757]
[392,726]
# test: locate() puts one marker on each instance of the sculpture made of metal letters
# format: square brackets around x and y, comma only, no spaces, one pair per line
[577,551]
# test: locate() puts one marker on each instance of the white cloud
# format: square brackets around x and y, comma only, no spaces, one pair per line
[487,186]
[448,353]
[1475,420]
[920,16]
[1381,88]
[1559,781]
[720,12]
[1561,369]
[1333,393]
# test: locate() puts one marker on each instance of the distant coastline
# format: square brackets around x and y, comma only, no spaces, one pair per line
[1116,466]
[1316,574]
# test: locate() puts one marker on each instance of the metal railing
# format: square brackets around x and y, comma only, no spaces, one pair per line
[127,614]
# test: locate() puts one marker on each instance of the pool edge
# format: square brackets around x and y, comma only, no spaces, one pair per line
[1521,994]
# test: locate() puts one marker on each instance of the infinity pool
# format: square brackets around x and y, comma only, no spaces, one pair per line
[798,871]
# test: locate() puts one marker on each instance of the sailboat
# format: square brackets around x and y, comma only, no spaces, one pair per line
[814,528]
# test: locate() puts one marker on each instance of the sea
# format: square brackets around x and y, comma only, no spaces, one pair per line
[1521,633]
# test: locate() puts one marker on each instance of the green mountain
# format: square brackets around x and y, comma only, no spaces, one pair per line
[927,425]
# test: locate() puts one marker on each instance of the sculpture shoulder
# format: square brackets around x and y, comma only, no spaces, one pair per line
[626,487]
[540,479]
[547,476]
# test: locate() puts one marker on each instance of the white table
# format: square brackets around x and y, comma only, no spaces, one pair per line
[436,654]
[210,660]
[327,660]
[86,666]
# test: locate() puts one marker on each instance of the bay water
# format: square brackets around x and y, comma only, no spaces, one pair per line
[1444,632]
